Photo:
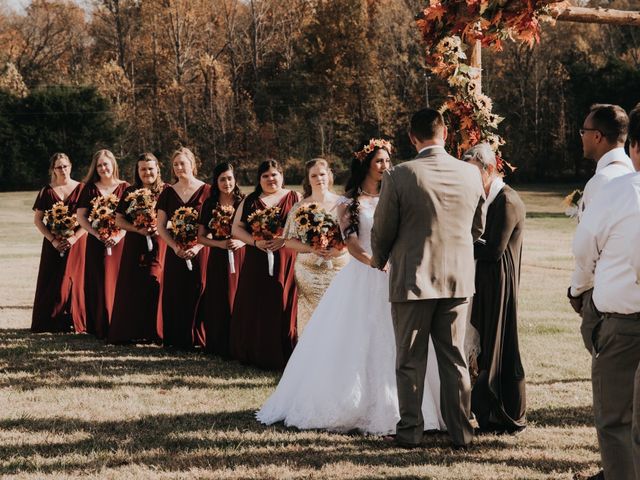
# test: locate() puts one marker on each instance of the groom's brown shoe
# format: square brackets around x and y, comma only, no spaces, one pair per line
[399,443]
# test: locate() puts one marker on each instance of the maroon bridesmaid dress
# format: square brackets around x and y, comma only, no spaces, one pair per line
[56,306]
[100,270]
[181,287]
[263,325]
[137,314]
[216,304]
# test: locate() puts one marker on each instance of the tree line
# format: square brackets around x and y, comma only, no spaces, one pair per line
[242,80]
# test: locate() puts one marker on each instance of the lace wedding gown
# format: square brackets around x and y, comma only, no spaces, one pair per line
[341,375]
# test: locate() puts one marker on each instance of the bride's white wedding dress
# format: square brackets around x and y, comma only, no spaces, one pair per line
[341,375]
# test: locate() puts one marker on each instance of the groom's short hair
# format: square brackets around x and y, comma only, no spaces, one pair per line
[634,125]
[427,124]
[611,121]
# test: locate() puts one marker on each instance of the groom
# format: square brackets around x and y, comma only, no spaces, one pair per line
[429,214]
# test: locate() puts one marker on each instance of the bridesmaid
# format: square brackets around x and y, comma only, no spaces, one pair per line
[312,278]
[137,314]
[101,270]
[216,305]
[182,288]
[56,306]
[263,326]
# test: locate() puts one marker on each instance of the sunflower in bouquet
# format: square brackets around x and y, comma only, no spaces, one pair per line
[572,203]
[60,222]
[265,224]
[103,216]
[184,229]
[141,211]
[220,227]
[318,228]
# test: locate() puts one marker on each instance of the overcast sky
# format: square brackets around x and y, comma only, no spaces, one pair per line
[20,5]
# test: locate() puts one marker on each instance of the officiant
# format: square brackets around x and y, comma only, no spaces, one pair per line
[498,397]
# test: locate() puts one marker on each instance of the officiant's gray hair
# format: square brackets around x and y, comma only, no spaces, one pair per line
[481,152]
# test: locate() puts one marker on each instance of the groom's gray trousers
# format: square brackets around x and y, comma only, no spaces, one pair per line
[413,322]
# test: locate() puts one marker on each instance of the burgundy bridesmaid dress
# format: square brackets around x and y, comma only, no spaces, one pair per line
[100,270]
[137,314]
[263,325]
[56,307]
[181,287]
[216,304]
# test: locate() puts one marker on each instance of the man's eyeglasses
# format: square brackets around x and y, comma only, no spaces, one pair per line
[583,130]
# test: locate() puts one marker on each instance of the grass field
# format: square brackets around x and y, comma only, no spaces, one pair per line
[73,407]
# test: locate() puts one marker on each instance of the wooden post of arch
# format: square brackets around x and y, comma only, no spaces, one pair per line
[563,13]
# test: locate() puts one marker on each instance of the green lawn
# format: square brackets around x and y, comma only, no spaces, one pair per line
[73,407]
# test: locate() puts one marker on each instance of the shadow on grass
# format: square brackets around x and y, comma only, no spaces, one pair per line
[232,440]
[82,361]
[561,416]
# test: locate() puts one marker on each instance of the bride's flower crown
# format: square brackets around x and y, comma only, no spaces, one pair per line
[371,146]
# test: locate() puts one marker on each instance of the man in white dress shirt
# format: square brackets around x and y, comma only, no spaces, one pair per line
[603,134]
[606,248]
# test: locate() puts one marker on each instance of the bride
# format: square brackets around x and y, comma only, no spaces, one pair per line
[341,375]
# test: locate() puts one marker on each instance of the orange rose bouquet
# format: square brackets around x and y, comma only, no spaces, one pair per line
[60,222]
[141,211]
[103,216]
[265,225]
[184,229]
[318,228]
[220,227]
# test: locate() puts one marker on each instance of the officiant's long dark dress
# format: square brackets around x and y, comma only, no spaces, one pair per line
[263,325]
[498,398]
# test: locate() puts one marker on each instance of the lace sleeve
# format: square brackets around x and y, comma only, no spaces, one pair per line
[290,226]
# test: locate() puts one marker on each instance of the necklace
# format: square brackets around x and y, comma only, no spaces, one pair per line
[369,194]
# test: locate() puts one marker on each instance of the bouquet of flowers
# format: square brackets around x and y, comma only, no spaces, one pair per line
[318,228]
[103,216]
[572,203]
[184,229]
[141,211]
[265,225]
[60,222]
[220,226]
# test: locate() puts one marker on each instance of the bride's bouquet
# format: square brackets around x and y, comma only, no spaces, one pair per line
[220,227]
[572,203]
[265,225]
[60,222]
[319,229]
[103,216]
[184,229]
[141,211]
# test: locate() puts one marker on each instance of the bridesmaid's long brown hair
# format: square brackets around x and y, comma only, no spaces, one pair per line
[92,175]
[148,157]
[265,166]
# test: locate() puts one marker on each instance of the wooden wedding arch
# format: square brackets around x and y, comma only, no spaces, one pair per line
[450,26]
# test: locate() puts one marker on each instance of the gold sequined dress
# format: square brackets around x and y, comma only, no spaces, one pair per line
[312,274]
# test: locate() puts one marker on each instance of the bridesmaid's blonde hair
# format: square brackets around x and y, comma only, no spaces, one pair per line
[92,174]
[189,154]
[52,163]
[314,162]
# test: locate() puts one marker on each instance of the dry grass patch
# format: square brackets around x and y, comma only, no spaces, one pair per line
[73,407]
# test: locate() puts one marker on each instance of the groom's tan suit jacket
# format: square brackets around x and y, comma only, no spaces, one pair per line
[429,214]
